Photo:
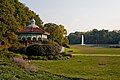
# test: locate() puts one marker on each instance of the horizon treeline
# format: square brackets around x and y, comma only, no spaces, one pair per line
[95,37]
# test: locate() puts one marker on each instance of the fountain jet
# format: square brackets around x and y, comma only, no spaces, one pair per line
[82,43]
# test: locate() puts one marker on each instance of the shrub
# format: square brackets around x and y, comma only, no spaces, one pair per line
[17,48]
[55,45]
[42,50]
[21,49]
[58,57]
[66,54]
[35,50]
[50,51]
[66,45]
[24,64]
[50,57]
[10,54]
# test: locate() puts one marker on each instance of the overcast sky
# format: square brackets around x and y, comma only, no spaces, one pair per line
[78,15]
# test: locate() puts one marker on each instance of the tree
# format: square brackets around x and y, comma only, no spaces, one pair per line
[57,33]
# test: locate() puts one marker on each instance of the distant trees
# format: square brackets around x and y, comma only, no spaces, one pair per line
[96,37]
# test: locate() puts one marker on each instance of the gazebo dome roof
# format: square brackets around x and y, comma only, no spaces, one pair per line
[32,28]
[33,24]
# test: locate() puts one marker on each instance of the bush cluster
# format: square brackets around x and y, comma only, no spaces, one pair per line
[17,48]
[46,52]
[49,51]
[42,50]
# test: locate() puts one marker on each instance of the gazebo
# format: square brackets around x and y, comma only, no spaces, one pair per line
[33,33]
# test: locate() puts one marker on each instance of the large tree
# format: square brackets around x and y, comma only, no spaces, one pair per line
[57,33]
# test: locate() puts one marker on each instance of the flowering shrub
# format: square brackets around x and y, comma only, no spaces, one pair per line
[24,64]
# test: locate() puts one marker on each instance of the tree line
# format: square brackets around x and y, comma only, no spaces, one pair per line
[95,37]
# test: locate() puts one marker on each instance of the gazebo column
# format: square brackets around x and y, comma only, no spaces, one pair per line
[41,37]
[36,37]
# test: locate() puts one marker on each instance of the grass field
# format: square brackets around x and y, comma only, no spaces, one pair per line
[107,68]
[77,49]
[12,71]
[85,67]
[79,67]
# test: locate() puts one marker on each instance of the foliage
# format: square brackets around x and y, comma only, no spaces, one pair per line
[95,37]
[17,48]
[57,33]
[11,71]
[46,51]
[42,50]
[24,64]
[13,17]
[49,51]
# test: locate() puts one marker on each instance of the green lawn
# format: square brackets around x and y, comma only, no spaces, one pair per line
[77,49]
[85,67]
[78,67]
[11,71]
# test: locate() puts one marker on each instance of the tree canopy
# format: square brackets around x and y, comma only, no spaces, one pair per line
[14,16]
[57,33]
[95,37]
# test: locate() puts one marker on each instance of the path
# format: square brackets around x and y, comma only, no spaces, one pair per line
[117,55]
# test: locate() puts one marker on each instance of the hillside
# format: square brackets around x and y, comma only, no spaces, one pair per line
[13,66]
[10,70]
[14,16]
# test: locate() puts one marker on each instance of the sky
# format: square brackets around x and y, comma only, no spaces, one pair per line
[78,15]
